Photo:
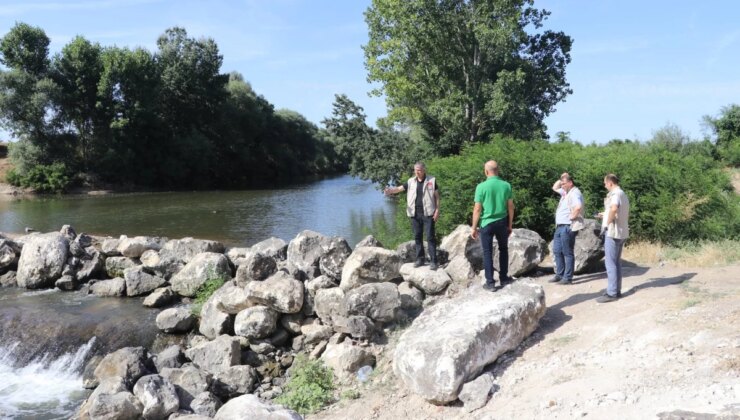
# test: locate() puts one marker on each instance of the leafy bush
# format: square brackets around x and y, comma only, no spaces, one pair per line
[205,291]
[673,196]
[309,387]
[42,178]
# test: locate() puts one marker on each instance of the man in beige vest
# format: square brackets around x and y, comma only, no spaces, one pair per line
[422,208]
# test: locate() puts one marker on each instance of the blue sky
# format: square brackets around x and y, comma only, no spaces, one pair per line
[637,65]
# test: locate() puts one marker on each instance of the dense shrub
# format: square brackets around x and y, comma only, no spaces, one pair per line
[43,178]
[674,196]
[310,386]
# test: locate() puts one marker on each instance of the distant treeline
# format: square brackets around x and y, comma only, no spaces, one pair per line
[163,119]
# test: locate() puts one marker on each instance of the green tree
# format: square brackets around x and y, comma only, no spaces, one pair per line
[465,69]
[726,131]
[26,48]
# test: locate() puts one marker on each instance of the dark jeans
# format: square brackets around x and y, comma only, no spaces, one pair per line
[562,250]
[500,230]
[427,223]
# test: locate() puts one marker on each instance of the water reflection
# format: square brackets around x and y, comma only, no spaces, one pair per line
[341,206]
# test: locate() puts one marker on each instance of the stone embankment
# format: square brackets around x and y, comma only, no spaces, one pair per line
[314,295]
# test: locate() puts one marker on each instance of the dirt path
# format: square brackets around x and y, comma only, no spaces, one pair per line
[671,343]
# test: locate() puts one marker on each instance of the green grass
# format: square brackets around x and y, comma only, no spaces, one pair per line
[310,386]
[205,291]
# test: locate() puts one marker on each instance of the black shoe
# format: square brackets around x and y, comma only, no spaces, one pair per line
[433,266]
[564,281]
[606,298]
[506,280]
[489,287]
[555,279]
[418,263]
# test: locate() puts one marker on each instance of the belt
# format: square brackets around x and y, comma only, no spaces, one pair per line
[563,225]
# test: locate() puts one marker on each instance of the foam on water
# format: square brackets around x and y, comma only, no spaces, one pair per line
[43,389]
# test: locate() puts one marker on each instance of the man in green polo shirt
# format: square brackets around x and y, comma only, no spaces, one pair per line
[494,210]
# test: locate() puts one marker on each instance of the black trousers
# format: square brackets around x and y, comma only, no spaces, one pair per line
[424,225]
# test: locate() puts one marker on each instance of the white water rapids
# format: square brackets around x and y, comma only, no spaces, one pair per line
[43,389]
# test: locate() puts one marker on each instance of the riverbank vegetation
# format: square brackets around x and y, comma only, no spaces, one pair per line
[165,119]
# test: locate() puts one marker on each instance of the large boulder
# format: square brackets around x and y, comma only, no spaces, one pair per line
[134,247]
[336,251]
[256,322]
[370,265]
[115,266]
[175,320]
[460,270]
[203,267]
[377,301]
[214,356]
[369,240]
[407,252]
[127,364]
[157,395]
[329,305]
[305,251]
[345,359]
[187,248]
[105,288]
[234,381]
[451,342]
[139,282]
[10,252]
[426,279]
[234,299]
[255,266]
[120,406]
[459,243]
[160,297]
[249,406]
[164,263]
[92,265]
[526,251]
[588,249]
[280,292]
[42,260]
[272,247]
[213,321]
[189,382]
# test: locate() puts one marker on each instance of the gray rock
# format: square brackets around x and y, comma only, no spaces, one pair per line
[69,232]
[335,253]
[175,320]
[89,381]
[587,250]
[10,253]
[305,250]
[279,292]
[109,387]
[164,263]
[189,382]
[217,355]
[187,248]
[250,407]
[9,279]
[256,322]
[234,299]
[134,247]
[157,395]
[255,267]
[205,405]
[292,322]
[171,357]
[84,240]
[360,327]
[109,247]
[234,381]
[526,251]
[377,301]
[460,270]
[407,252]
[66,283]
[452,341]
[120,406]
[459,243]
[475,394]
[369,240]
[213,321]
[42,260]
[272,247]
[316,332]
[237,255]
[329,305]
[201,268]
[160,297]
[127,363]
[139,282]
[345,358]
[112,287]
[411,297]
[91,266]
[369,265]
[426,279]
[115,266]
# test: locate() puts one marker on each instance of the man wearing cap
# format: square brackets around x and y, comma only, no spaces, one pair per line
[422,208]
[568,221]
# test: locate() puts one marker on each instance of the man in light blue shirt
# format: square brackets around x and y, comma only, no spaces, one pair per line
[568,221]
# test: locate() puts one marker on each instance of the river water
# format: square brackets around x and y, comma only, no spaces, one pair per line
[47,336]
[342,206]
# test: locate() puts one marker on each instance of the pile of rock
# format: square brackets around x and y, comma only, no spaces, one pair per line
[314,294]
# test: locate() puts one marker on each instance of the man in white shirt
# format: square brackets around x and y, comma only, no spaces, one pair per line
[615,219]
[568,221]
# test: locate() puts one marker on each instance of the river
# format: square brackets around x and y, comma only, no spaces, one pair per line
[41,360]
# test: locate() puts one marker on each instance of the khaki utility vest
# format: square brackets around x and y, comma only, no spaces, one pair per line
[427,196]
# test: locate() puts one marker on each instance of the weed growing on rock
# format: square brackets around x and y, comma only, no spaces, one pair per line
[206,290]
[309,387]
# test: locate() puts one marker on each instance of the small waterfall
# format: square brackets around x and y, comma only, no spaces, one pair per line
[45,388]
